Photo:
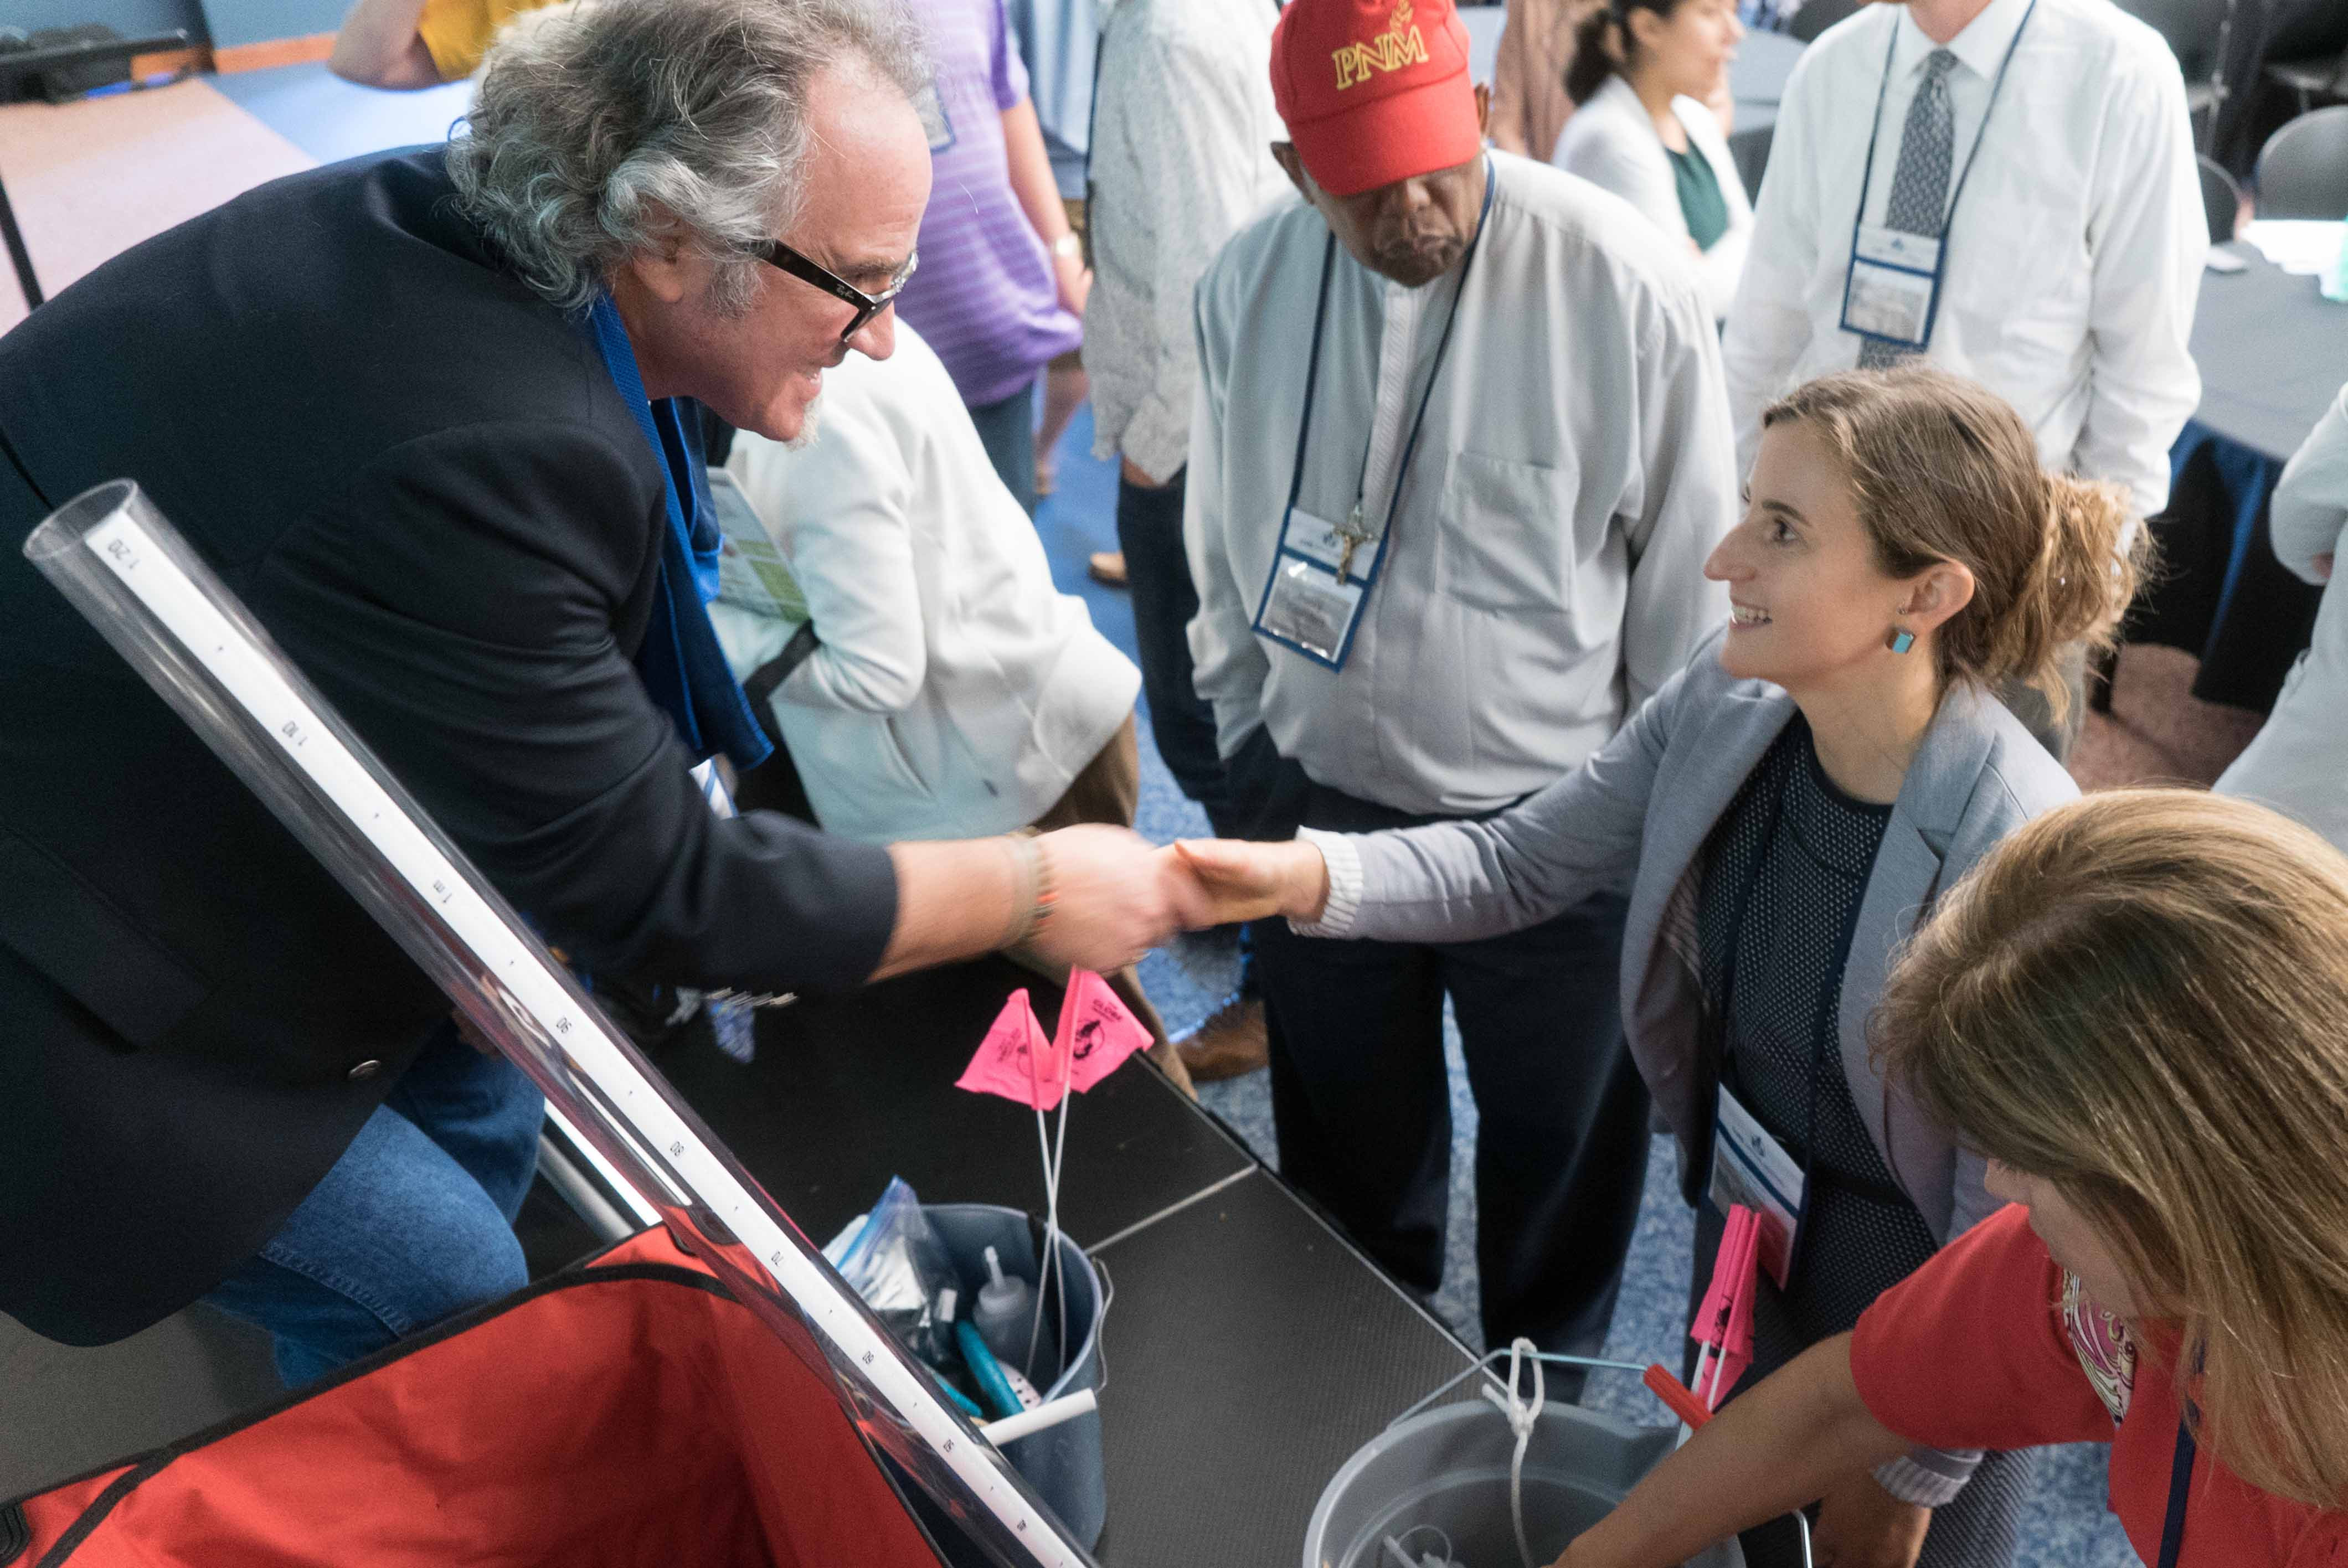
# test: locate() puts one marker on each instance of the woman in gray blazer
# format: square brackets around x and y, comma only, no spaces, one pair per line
[1786,809]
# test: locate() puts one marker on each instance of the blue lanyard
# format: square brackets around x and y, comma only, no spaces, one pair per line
[682,668]
[2181,1489]
[1435,372]
[1867,179]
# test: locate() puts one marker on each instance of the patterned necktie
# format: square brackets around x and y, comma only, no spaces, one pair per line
[1919,186]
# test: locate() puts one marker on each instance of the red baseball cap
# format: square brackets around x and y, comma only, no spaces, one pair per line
[1374,91]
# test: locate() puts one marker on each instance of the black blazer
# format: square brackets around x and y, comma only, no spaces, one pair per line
[420,480]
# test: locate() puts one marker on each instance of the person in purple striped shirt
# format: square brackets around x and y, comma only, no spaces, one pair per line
[1001,292]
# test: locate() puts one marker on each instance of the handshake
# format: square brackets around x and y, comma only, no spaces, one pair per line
[1117,896]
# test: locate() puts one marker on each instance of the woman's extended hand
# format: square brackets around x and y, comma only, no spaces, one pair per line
[1242,881]
[1861,1525]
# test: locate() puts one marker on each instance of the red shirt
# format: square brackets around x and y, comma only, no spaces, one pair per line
[1992,1345]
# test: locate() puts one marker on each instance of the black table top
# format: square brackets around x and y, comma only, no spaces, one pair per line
[1250,1350]
[850,1090]
[2272,351]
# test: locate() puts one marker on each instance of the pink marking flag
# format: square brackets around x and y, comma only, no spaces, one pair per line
[1723,1323]
[1096,1031]
[1016,1061]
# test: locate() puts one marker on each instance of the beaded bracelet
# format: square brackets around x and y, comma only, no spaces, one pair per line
[1039,893]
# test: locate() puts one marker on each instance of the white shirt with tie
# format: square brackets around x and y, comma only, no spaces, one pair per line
[2073,254]
[2298,762]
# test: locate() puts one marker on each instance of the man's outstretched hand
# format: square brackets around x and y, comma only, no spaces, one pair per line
[1117,896]
[1241,881]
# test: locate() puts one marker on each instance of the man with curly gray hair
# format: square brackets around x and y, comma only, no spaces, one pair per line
[655,152]
[427,412]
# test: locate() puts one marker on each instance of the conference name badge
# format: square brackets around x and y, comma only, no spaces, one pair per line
[1894,286]
[1752,1168]
[1308,604]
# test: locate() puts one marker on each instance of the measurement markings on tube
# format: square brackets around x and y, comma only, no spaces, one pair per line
[196,622]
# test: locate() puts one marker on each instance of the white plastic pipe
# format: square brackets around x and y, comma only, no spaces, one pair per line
[1043,1418]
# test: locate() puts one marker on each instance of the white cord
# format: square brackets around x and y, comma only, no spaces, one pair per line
[1051,1218]
[1521,1417]
[1059,1269]
[1051,1161]
[1450,1557]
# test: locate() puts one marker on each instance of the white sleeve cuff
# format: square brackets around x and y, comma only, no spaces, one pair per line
[1921,1485]
[1344,863]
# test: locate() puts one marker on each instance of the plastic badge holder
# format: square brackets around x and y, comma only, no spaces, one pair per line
[130,574]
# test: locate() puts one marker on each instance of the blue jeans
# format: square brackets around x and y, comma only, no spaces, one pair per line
[1007,430]
[414,1224]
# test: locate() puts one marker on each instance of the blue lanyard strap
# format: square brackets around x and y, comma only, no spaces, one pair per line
[1442,346]
[681,664]
[2180,1490]
[1867,179]
[1312,373]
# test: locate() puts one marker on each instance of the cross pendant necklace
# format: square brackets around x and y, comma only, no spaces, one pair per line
[1355,535]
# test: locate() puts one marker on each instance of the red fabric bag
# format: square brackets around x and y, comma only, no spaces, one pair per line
[623,1414]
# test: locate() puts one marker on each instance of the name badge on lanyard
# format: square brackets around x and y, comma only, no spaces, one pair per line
[1752,1168]
[1313,599]
[1320,581]
[1892,290]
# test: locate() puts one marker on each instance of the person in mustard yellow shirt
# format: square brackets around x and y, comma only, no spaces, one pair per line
[407,44]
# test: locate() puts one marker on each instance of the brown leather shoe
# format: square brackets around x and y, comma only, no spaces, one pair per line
[1229,1043]
[1107,566]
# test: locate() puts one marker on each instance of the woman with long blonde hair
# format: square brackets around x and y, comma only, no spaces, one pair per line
[2137,1007]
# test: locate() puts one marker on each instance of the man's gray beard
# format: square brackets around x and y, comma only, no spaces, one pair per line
[811,426]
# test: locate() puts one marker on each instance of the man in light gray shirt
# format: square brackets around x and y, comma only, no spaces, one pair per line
[1461,448]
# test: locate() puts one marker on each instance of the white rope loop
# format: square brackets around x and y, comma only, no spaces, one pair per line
[1522,1417]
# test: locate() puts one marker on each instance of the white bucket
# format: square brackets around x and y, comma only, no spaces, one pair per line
[1449,1468]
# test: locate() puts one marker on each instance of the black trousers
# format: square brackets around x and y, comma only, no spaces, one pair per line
[1363,1104]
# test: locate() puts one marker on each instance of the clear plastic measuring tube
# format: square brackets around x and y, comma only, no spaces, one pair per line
[147,592]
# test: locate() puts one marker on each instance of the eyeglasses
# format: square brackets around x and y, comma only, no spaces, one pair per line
[784,258]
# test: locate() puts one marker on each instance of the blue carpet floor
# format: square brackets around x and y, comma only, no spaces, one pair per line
[2068,1525]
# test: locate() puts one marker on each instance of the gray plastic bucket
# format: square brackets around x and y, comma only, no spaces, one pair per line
[1450,1468]
[1063,1463]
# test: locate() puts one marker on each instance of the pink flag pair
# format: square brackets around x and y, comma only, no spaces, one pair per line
[1723,1323]
[1096,1033]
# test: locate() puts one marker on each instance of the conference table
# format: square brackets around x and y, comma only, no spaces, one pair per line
[1757,84]
[1250,1348]
[2272,353]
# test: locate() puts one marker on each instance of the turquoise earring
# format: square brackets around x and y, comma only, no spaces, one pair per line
[1900,639]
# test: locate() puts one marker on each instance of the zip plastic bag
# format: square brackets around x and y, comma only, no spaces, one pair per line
[897,1264]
